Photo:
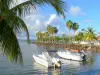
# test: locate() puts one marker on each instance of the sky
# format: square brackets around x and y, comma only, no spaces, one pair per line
[84,12]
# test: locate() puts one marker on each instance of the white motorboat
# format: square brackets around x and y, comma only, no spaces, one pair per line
[72,55]
[47,61]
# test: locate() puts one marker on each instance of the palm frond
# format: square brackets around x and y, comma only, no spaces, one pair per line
[25,7]
[9,42]
[59,5]
[17,24]
[5,4]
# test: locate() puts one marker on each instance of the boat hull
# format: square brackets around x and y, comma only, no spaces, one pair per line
[70,56]
[42,61]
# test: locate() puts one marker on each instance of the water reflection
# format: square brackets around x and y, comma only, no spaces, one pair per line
[46,71]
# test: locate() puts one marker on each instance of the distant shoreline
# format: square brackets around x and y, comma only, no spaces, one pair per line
[70,46]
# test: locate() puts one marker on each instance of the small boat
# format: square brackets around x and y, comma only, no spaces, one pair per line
[72,55]
[46,60]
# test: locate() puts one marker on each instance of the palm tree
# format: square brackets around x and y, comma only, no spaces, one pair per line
[49,28]
[79,36]
[90,35]
[46,36]
[52,30]
[11,23]
[38,35]
[55,30]
[75,27]
[63,37]
[69,26]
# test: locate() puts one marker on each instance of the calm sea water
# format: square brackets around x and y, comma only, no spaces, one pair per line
[30,67]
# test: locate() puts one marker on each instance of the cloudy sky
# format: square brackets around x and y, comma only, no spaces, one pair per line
[84,12]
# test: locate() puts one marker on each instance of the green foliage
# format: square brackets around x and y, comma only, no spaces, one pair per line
[75,27]
[79,36]
[52,30]
[46,37]
[69,24]
[86,35]
[9,42]
[90,35]
[49,29]
[55,30]
[65,38]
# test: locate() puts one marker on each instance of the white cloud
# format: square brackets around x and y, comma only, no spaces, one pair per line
[35,21]
[58,27]
[38,22]
[39,26]
[75,10]
[63,32]
[52,17]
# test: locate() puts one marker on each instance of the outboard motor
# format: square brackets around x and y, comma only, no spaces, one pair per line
[83,54]
[84,57]
[56,62]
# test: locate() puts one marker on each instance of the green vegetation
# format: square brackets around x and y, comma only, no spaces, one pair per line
[83,35]
[75,27]
[11,14]
[86,35]
[50,36]
[69,25]
[79,36]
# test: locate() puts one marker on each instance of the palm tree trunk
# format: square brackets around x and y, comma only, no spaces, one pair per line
[74,33]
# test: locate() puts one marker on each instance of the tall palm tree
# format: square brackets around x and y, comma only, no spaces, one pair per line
[69,26]
[49,29]
[45,36]
[11,14]
[55,30]
[75,27]
[52,30]
[38,35]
